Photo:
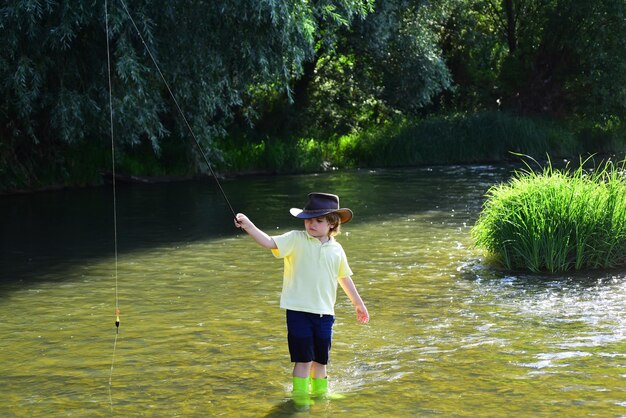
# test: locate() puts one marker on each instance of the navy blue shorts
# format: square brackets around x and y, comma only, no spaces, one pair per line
[309,336]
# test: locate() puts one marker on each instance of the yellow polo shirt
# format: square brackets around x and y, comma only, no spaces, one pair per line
[311,272]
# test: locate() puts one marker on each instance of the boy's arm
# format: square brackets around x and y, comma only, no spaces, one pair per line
[361,311]
[261,238]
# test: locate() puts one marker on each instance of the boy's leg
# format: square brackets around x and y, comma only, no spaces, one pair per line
[300,338]
[323,342]
[310,338]
[302,369]
[319,380]
[318,371]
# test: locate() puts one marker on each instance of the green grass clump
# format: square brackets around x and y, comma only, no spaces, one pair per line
[557,219]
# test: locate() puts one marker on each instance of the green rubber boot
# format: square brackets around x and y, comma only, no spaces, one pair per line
[300,394]
[319,390]
[319,387]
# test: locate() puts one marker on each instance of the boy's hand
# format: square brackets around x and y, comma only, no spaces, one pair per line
[241,221]
[361,311]
[362,315]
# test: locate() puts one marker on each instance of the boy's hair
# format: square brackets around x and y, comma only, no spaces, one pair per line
[335,223]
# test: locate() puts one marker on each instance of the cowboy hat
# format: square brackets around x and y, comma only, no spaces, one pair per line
[320,204]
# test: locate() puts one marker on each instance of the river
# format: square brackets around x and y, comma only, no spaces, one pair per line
[202,334]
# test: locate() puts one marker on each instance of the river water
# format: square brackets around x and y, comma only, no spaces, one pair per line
[202,335]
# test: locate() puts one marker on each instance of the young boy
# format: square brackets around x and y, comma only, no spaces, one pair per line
[314,263]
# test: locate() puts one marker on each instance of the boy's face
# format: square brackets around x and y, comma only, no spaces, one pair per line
[317,227]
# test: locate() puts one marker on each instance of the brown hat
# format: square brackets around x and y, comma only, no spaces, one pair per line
[320,204]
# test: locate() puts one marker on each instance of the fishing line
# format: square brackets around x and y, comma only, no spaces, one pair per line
[193,135]
[117,304]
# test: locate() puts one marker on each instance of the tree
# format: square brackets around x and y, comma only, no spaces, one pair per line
[387,64]
[580,64]
[557,57]
[53,67]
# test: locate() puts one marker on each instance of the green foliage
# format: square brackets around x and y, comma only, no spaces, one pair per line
[557,220]
[557,57]
[387,64]
[486,136]
[364,73]
[304,155]
[474,51]
[604,136]
[339,100]
[141,160]
[398,48]
[453,139]
[53,66]
[589,61]
[24,168]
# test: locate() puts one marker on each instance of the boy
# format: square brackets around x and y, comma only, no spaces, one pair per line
[314,264]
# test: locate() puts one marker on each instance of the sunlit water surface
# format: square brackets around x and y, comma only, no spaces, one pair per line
[201,332]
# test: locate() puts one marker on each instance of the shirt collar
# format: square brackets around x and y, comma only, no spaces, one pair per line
[309,236]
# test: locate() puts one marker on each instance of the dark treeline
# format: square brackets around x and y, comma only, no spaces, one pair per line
[283,86]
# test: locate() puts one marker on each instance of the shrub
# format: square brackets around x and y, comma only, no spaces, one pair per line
[556,220]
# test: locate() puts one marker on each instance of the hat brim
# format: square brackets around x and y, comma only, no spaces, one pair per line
[345,214]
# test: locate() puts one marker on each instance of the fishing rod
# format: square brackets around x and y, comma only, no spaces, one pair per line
[193,135]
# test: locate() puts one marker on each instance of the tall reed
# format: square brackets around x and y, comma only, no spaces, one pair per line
[557,219]
[460,138]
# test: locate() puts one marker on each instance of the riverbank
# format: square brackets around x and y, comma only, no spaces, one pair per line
[487,137]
